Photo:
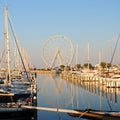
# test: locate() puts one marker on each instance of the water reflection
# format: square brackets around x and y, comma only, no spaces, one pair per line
[72,94]
[56,92]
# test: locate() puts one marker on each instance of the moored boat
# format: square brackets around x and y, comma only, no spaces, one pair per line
[97,114]
[16,89]
[113,81]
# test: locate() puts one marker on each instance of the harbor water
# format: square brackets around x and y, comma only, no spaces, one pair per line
[55,92]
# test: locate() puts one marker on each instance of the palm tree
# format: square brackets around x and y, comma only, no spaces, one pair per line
[86,65]
[103,64]
[62,67]
[78,66]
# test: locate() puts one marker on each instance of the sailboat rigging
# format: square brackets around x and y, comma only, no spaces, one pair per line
[14,89]
[115,49]
[7,48]
[19,50]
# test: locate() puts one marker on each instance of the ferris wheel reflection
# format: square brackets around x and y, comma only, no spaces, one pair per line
[56,92]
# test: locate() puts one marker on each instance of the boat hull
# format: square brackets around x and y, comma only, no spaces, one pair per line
[17,114]
[97,115]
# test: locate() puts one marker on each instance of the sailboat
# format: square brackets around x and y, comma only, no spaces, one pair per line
[16,91]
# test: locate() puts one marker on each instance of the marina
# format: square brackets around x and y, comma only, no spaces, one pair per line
[59,74]
[62,98]
[17,84]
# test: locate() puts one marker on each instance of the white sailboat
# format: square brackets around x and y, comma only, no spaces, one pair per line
[17,91]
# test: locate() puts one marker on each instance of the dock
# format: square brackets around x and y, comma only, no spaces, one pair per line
[91,114]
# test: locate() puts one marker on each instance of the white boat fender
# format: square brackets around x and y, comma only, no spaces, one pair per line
[34,97]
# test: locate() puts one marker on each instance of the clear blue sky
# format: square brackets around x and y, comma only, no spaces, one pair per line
[83,21]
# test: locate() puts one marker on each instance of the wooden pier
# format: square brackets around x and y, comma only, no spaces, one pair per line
[92,114]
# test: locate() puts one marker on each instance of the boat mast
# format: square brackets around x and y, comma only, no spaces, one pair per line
[88,56]
[7,46]
[76,54]
[115,49]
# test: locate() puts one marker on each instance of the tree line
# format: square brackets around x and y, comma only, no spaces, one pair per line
[102,65]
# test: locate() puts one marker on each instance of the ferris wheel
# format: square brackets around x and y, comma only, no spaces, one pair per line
[57,50]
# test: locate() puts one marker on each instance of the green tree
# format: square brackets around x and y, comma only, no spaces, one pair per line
[62,67]
[103,64]
[78,66]
[86,65]
[108,65]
